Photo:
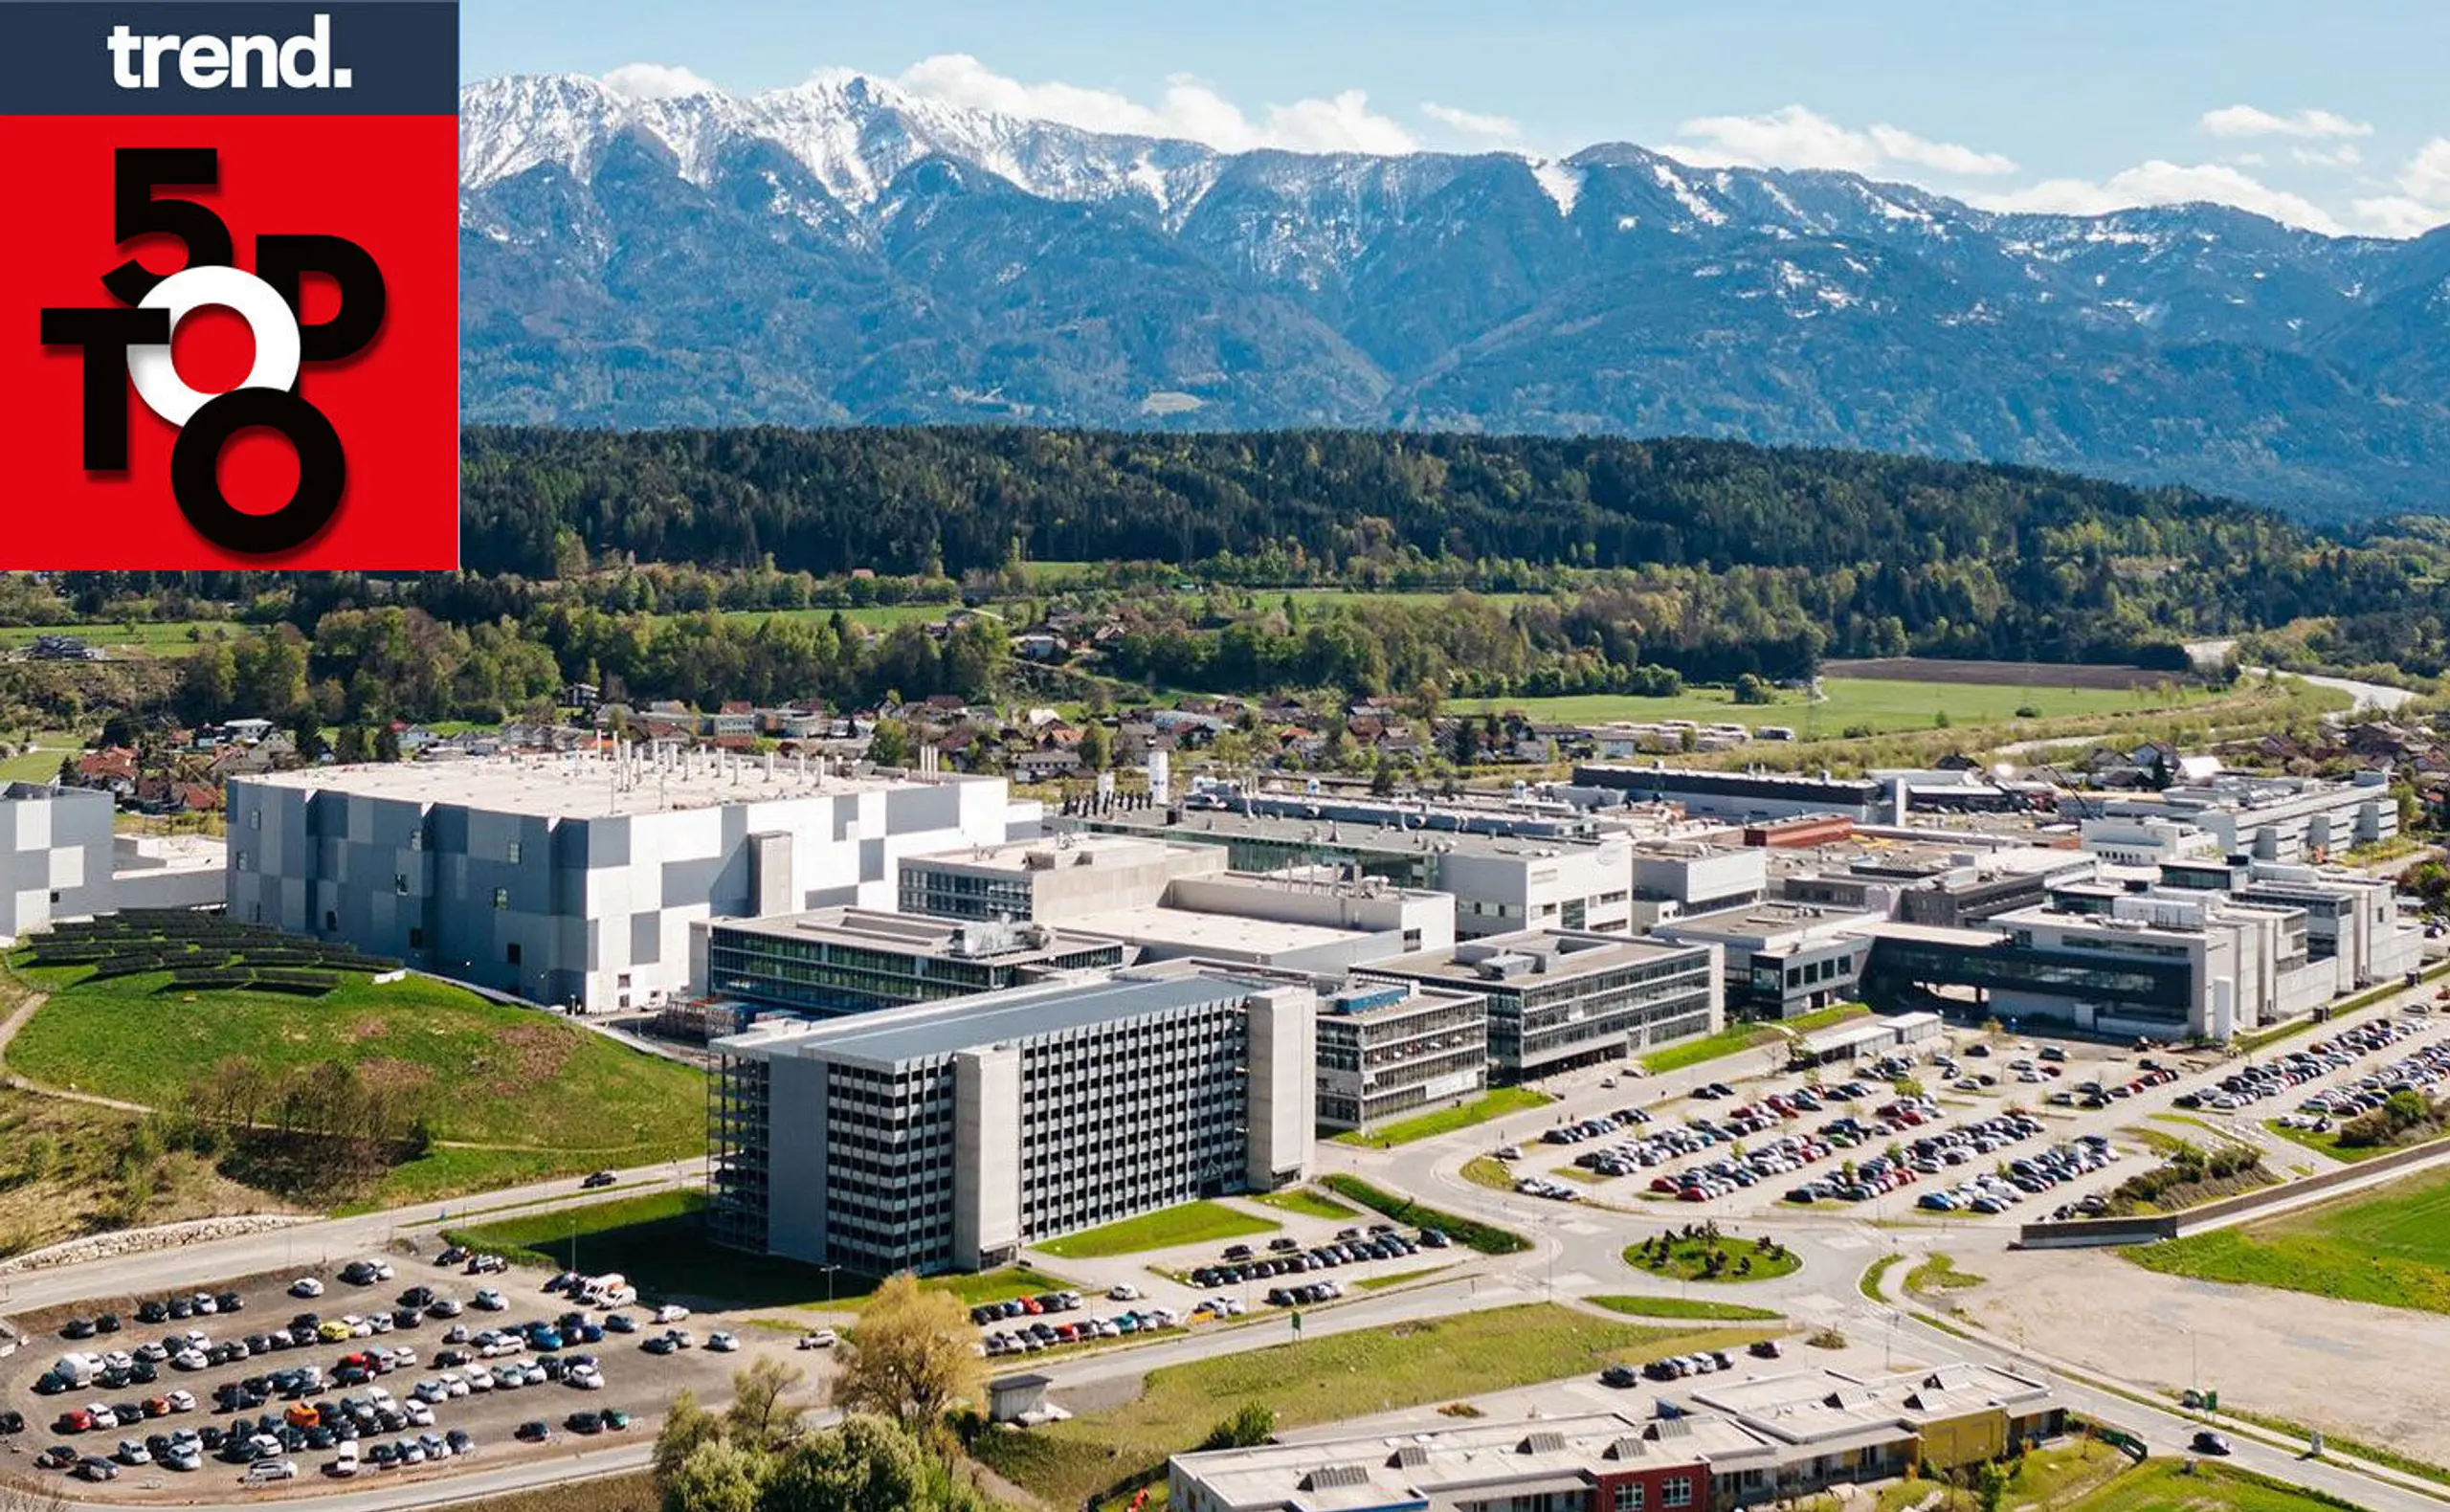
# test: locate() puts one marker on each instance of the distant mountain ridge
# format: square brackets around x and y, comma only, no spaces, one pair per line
[846,252]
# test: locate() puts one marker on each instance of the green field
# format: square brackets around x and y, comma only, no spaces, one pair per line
[2328,1144]
[160,638]
[1496,1104]
[657,1240]
[1938,1275]
[1306,599]
[1304,1201]
[1738,1037]
[511,1092]
[1686,1308]
[876,617]
[1320,1379]
[2390,1246]
[2168,1485]
[42,762]
[1882,703]
[1470,1232]
[1191,1223]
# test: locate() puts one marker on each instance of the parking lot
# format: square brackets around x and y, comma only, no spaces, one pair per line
[1311,1262]
[1993,1122]
[387,1366]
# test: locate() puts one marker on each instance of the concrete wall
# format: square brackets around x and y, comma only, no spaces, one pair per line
[1283,1085]
[796,1156]
[987,1156]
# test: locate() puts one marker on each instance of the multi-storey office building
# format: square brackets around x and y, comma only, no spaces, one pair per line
[1564,998]
[949,1135]
[2272,818]
[1742,795]
[1389,1050]
[1048,879]
[833,961]
[575,879]
[1782,959]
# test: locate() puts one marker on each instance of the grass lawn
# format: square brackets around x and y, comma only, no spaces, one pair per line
[2167,1485]
[1191,1223]
[1321,1379]
[1939,1275]
[2046,1478]
[1884,703]
[1689,1260]
[1470,1232]
[511,1092]
[1304,1200]
[1736,1039]
[2390,1246]
[2328,1144]
[72,1169]
[634,1492]
[1869,1281]
[1496,1104]
[876,617]
[1487,1170]
[657,1240]
[1688,1309]
[1379,1283]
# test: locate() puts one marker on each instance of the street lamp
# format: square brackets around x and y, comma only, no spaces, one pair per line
[829,1271]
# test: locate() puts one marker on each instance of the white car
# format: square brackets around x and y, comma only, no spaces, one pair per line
[1124,1292]
[821,1338]
[182,1401]
[479,1379]
[487,1299]
[132,1452]
[721,1343]
[420,1414]
[305,1286]
[586,1378]
[189,1359]
[682,1338]
[267,1470]
[670,1313]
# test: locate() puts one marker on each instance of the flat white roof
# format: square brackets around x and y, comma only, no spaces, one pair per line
[582,785]
[1187,927]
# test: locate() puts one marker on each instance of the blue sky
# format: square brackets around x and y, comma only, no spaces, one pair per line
[2327,116]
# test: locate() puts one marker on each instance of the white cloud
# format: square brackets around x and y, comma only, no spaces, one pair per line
[656,81]
[1188,109]
[2247,120]
[1947,157]
[2162,183]
[2423,200]
[1474,123]
[2342,156]
[1800,138]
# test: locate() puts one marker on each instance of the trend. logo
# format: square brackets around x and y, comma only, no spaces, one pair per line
[133,337]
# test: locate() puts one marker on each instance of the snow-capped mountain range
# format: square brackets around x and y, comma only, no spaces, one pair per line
[847,251]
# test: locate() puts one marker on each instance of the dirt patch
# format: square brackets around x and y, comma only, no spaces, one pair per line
[384,1075]
[373,1026]
[1998,673]
[535,1053]
[2281,1354]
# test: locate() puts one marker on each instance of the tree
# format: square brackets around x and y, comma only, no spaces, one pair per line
[352,745]
[913,1355]
[868,1461]
[386,743]
[1751,688]
[1097,747]
[1251,1425]
[890,745]
[1990,1485]
[718,1477]
[762,1413]
[687,1426]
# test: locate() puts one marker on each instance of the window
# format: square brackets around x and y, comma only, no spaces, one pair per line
[242,862]
[1676,1491]
[513,855]
[502,897]
[255,818]
[416,839]
[1629,1497]
[400,883]
[511,953]
[416,938]
[331,918]
[55,898]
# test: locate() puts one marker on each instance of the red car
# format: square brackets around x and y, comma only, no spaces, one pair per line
[77,1421]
